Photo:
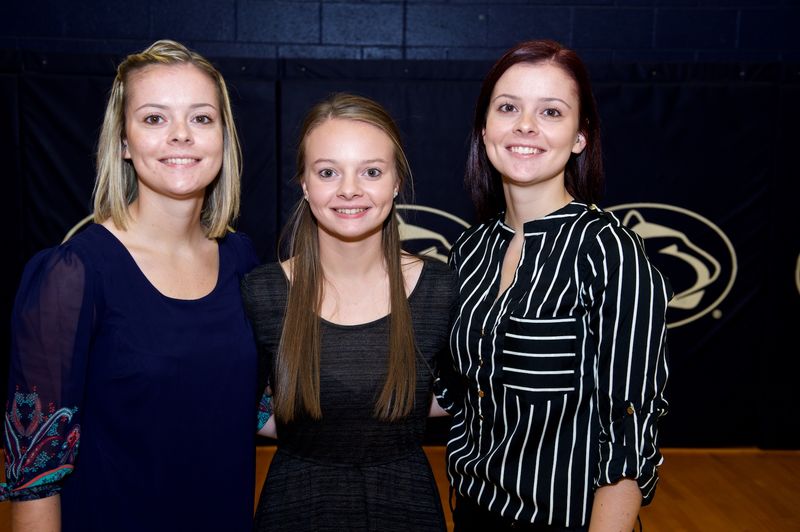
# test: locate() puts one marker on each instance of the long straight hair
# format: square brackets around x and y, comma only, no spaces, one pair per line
[297,366]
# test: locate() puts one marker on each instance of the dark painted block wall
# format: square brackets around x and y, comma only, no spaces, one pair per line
[602,30]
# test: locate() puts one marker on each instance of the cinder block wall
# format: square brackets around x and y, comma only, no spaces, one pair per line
[753,31]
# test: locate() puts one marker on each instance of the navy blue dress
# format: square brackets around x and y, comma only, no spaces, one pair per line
[139,409]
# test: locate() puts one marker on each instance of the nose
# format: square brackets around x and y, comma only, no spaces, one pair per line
[349,186]
[526,123]
[180,132]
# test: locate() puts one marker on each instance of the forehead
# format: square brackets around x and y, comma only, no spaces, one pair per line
[343,135]
[537,80]
[176,79]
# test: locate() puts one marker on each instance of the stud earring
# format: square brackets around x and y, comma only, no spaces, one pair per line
[395,194]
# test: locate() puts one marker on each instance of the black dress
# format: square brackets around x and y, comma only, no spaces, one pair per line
[350,471]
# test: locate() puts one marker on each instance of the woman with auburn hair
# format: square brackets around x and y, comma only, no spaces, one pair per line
[132,389]
[348,329]
[560,335]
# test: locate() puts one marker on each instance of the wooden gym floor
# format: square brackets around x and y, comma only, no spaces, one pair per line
[741,490]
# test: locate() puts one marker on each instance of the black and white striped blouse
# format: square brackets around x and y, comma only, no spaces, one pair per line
[560,378]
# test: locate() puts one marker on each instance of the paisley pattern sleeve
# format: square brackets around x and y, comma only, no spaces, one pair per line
[51,328]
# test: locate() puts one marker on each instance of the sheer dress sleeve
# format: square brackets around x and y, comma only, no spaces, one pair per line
[51,329]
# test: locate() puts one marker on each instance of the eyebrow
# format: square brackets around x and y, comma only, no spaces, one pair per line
[517,98]
[334,161]
[166,107]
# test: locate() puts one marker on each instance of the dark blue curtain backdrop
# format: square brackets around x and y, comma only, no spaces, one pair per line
[698,162]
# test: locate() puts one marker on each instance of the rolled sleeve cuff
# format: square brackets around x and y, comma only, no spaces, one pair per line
[45,485]
[632,452]
[34,492]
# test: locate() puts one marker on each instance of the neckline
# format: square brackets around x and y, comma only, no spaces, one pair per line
[366,323]
[153,287]
[569,210]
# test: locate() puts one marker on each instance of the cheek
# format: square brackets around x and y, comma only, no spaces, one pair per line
[215,142]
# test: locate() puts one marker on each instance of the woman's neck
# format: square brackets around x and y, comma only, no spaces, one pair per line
[165,224]
[524,204]
[351,260]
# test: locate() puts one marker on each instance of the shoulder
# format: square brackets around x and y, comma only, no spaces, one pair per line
[436,271]
[265,280]
[265,292]
[606,230]
[68,272]
[437,279]
[243,250]
[473,237]
[85,251]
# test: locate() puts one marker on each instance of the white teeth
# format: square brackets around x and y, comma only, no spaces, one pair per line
[525,150]
[179,160]
[350,211]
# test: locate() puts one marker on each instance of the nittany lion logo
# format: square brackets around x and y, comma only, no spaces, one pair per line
[416,223]
[797,275]
[694,254]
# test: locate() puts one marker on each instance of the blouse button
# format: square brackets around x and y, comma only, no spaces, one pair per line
[630,410]
[481,393]
[480,362]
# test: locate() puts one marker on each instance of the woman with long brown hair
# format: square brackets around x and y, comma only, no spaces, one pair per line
[348,328]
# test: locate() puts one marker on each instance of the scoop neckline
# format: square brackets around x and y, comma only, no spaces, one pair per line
[366,323]
[152,286]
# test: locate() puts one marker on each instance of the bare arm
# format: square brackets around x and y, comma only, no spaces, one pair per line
[39,515]
[615,507]
[436,410]
[269,429]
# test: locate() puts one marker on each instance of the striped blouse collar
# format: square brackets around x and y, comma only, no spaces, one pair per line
[545,223]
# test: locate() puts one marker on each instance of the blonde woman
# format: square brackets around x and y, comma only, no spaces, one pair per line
[349,326]
[132,384]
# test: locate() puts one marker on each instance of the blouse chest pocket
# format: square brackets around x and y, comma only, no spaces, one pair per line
[539,357]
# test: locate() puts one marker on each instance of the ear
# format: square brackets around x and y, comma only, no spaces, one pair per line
[126,154]
[483,135]
[305,190]
[580,143]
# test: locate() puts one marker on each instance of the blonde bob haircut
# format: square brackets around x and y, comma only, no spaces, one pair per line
[116,185]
